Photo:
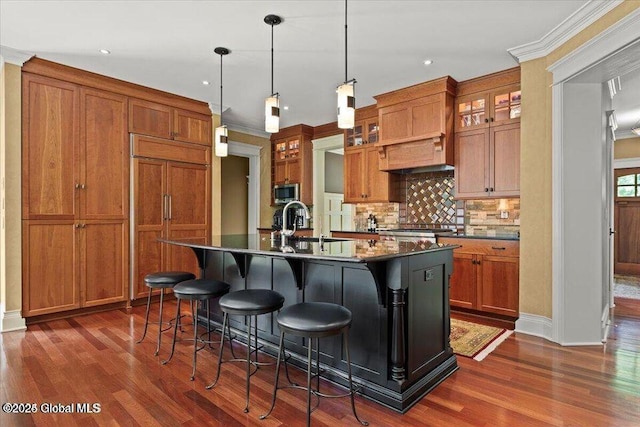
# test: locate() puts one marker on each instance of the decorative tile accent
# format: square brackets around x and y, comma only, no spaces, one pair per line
[429,201]
[386,214]
[487,217]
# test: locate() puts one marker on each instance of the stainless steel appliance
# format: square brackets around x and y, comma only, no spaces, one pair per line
[295,217]
[413,234]
[285,193]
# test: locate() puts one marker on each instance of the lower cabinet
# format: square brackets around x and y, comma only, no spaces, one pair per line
[485,275]
[74,264]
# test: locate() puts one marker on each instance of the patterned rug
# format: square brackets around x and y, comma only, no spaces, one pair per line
[474,340]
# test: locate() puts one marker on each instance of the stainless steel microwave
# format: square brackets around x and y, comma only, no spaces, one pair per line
[285,193]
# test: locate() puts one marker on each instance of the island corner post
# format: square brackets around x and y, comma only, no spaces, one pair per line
[399,338]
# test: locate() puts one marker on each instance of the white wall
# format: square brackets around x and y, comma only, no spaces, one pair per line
[582,202]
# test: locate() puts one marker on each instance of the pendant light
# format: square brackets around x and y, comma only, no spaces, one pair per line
[347,90]
[272,103]
[221,133]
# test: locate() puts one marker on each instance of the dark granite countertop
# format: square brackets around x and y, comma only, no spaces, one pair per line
[354,232]
[345,250]
[477,236]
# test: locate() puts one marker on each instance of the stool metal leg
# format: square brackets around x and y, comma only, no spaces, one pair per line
[159,323]
[225,318]
[175,331]
[275,383]
[195,346]
[146,318]
[248,379]
[309,357]
[353,403]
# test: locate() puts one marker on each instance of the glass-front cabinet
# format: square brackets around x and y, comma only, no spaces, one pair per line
[480,110]
[363,132]
[287,149]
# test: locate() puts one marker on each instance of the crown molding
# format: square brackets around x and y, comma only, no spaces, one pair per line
[14,56]
[574,24]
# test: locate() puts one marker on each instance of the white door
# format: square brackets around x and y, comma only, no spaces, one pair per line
[337,216]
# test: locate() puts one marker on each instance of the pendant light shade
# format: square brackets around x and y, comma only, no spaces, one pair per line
[272,103]
[347,90]
[346,105]
[272,114]
[221,145]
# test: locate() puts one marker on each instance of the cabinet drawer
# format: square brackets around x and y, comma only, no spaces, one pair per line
[484,246]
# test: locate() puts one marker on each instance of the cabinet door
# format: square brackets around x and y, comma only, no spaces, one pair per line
[294,170]
[505,160]
[505,105]
[395,122]
[499,291]
[371,131]
[462,284]
[149,118]
[150,209]
[472,112]
[50,267]
[280,172]
[104,253]
[376,181]
[354,170]
[188,187]
[50,166]
[472,163]
[426,117]
[104,151]
[192,127]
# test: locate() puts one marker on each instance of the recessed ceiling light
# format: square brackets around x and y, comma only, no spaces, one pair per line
[427,62]
[205,82]
[105,51]
[286,107]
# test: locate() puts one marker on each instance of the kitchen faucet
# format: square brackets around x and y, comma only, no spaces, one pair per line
[285,231]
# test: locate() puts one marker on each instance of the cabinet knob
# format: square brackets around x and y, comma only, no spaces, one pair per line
[491,119]
[486,189]
[490,188]
[77,186]
[498,248]
[486,120]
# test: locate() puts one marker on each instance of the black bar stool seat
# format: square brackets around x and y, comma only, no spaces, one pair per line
[161,280]
[314,320]
[196,290]
[247,302]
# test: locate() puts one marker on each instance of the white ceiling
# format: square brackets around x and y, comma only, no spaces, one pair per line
[169,45]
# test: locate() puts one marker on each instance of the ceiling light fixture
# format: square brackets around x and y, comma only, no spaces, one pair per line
[346,91]
[221,133]
[105,51]
[205,82]
[272,103]
[427,62]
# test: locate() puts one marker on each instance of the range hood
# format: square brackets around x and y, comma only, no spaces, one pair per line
[416,126]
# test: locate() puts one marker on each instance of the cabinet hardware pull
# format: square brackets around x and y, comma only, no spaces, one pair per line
[490,188]
[77,186]
[164,206]
[497,248]
[491,119]
[486,120]
[77,226]
[428,275]
[486,189]
[83,186]
[170,210]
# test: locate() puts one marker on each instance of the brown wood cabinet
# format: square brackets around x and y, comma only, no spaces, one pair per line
[416,125]
[75,196]
[171,201]
[292,160]
[364,182]
[487,141]
[365,129]
[162,121]
[485,275]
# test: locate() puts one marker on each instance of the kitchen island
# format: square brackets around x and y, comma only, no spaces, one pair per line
[398,293]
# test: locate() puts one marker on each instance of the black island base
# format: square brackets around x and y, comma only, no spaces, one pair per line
[398,293]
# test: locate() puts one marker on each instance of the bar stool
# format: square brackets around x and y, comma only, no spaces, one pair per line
[161,280]
[196,290]
[314,320]
[247,303]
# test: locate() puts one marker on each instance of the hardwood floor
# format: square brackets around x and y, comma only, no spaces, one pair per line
[94,359]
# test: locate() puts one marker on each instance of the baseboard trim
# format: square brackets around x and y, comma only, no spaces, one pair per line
[536,325]
[11,320]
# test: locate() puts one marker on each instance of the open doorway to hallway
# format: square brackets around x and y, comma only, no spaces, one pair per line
[235,195]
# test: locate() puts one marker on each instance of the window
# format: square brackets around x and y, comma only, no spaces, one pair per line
[627,183]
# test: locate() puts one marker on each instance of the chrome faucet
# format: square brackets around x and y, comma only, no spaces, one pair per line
[285,231]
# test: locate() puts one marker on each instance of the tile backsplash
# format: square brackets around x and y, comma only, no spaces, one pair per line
[492,217]
[386,213]
[429,201]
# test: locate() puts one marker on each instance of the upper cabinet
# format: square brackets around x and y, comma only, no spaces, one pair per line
[365,129]
[153,119]
[416,125]
[292,161]
[487,141]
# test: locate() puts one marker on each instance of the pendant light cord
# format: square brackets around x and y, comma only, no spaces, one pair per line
[221,89]
[272,59]
[345,41]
